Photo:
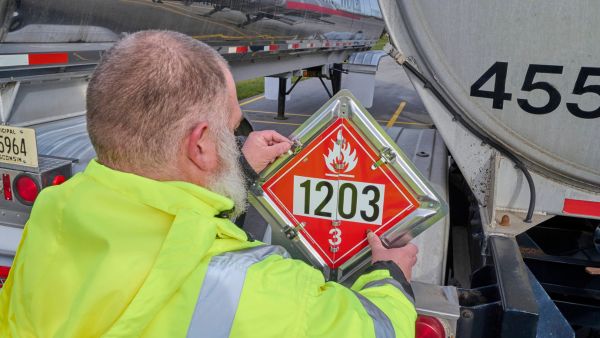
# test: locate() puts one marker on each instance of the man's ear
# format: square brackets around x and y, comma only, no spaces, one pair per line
[199,146]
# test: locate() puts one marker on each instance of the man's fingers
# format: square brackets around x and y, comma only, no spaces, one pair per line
[374,241]
[277,137]
[281,148]
[273,136]
[410,249]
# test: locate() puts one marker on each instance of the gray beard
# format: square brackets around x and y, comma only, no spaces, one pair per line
[228,180]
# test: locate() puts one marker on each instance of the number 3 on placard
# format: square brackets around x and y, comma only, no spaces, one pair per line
[336,233]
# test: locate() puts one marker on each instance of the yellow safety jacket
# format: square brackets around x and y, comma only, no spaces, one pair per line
[112,254]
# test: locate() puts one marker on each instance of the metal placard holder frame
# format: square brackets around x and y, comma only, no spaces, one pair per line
[345,106]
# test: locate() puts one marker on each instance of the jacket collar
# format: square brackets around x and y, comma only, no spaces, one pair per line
[171,197]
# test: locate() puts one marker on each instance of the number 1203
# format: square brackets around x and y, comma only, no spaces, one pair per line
[338,200]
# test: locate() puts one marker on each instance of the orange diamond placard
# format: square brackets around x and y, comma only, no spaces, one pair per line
[333,191]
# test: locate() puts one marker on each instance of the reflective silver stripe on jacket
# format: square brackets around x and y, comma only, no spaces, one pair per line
[390,281]
[381,322]
[221,290]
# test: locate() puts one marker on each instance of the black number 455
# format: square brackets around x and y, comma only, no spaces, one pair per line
[498,95]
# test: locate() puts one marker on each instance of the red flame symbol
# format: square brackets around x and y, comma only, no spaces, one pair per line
[341,158]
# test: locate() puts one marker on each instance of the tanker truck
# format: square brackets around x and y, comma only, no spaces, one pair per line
[511,87]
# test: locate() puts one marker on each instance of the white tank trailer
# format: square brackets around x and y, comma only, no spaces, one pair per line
[514,89]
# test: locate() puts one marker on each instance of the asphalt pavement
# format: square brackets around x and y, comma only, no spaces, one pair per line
[395,103]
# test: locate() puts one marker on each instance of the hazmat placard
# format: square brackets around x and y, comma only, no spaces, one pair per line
[345,176]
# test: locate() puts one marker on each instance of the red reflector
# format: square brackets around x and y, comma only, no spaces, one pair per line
[3,274]
[429,327]
[242,49]
[58,179]
[6,187]
[48,58]
[581,207]
[26,188]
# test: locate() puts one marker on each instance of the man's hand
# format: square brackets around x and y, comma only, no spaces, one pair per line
[263,147]
[405,257]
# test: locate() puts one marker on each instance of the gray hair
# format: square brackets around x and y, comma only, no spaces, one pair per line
[148,91]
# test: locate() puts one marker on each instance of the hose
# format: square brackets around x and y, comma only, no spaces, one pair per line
[499,147]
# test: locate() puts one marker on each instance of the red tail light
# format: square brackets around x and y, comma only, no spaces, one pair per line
[58,179]
[26,188]
[3,274]
[429,327]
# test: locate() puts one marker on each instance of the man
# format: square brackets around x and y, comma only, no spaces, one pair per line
[140,243]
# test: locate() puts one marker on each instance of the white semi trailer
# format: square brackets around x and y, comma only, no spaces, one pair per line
[48,50]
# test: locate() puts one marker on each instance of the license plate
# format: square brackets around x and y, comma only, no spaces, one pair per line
[18,146]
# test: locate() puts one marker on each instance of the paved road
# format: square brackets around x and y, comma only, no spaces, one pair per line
[392,87]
